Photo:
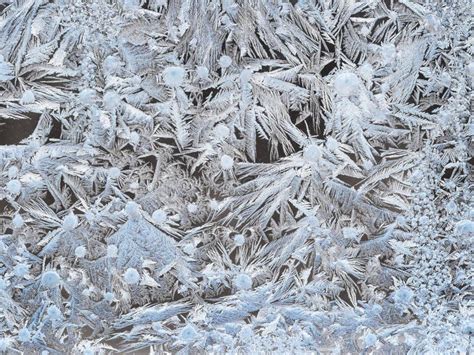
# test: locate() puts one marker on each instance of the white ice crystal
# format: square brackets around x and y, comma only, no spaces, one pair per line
[188,334]
[239,240]
[112,251]
[12,172]
[18,221]
[24,335]
[14,187]
[174,76]
[370,340]
[80,251]
[192,185]
[227,162]
[70,222]
[111,100]
[50,279]
[132,209]
[202,72]
[346,84]
[465,227]
[225,61]
[28,97]
[312,153]
[243,281]
[221,131]
[87,96]
[159,216]
[131,276]
[114,172]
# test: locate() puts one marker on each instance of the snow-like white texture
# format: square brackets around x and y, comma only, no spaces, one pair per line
[159,216]
[112,251]
[131,276]
[70,222]
[312,153]
[227,162]
[239,240]
[50,279]
[18,221]
[346,84]
[14,187]
[225,61]
[28,97]
[236,177]
[243,281]
[80,251]
[174,76]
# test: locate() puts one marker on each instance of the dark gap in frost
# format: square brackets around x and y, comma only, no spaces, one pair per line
[56,130]
[328,68]
[262,150]
[14,131]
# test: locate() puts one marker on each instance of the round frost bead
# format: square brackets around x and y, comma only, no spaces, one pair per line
[225,61]
[332,144]
[227,162]
[28,97]
[370,340]
[21,270]
[87,97]
[80,251]
[192,208]
[188,334]
[221,131]
[70,222]
[14,187]
[159,216]
[465,227]
[131,276]
[346,84]
[54,313]
[134,138]
[109,296]
[111,100]
[18,221]
[174,76]
[114,173]
[12,172]
[243,282]
[24,335]
[132,209]
[312,153]
[112,251]
[239,240]
[50,279]
[202,72]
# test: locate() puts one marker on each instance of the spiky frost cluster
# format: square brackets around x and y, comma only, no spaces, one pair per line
[236,176]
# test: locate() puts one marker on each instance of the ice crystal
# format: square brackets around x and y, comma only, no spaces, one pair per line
[241,177]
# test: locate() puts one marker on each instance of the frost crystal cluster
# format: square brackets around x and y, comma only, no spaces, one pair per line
[241,177]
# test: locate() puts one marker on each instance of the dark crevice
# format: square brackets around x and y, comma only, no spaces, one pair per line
[14,131]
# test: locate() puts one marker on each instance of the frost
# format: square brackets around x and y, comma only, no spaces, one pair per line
[346,84]
[50,279]
[174,76]
[131,276]
[70,222]
[239,240]
[28,97]
[243,282]
[227,162]
[225,61]
[80,251]
[159,216]
[241,177]
[14,187]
